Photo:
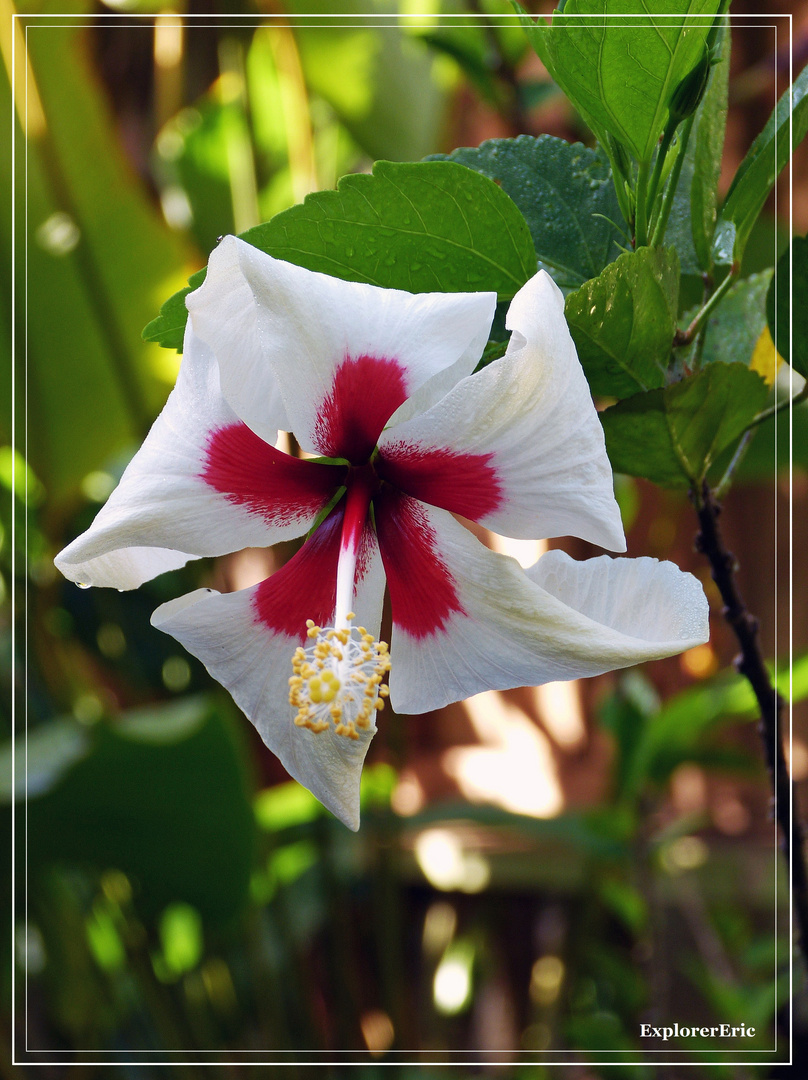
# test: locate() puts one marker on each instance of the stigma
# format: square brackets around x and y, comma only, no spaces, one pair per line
[337,679]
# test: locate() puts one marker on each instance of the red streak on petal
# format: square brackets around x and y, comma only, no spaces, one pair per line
[364,556]
[362,484]
[306,587]
[365,393]
[423,593]
[253,474]
[466,484]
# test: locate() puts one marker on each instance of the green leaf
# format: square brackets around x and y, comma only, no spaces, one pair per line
[671,436]
[623,322]
[693,215]
[620,75]
[173,813]
[46,753]
[709,129]
[779,307]
[432,226]
[566,195]
[686,718]
[424,227]
[758,171]
[168,329]
[653,741]
[625,715]
[735,326]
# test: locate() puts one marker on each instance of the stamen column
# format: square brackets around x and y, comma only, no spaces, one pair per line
[357,505]
[337,679]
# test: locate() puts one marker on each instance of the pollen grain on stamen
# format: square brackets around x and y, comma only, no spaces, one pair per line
[337,679]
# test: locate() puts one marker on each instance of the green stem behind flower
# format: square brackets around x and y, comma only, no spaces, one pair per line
[684,337]
[798,399]
[659,164]
[661,220]
[743,445]
[641,219]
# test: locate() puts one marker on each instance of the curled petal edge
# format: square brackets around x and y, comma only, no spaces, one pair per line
[559,620]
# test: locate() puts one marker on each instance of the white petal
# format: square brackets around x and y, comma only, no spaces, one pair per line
[164,512]
[224,315]
[560,620]
[529,417]
[310,324]
[255,664]
[644,599]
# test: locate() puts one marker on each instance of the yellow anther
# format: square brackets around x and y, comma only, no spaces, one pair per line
[336,680]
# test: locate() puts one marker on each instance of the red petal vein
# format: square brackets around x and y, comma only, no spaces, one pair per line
[423,593]
[466,484]
[365,393]
[306,587]
[253,474]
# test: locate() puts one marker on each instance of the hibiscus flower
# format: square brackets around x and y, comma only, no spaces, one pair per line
[377,386]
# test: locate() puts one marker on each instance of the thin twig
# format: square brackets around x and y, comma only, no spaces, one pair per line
[684,337]
[780,406]
[661,222]
[656,175]
[750,664]
[743,445]
[641,219]
[740,453]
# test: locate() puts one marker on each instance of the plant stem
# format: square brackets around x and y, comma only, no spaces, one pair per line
[684,337]
[641,226]
[620,181]
[743,445]
[780,405]
[673,182]
[750,664]
[662,153]
[740,453]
